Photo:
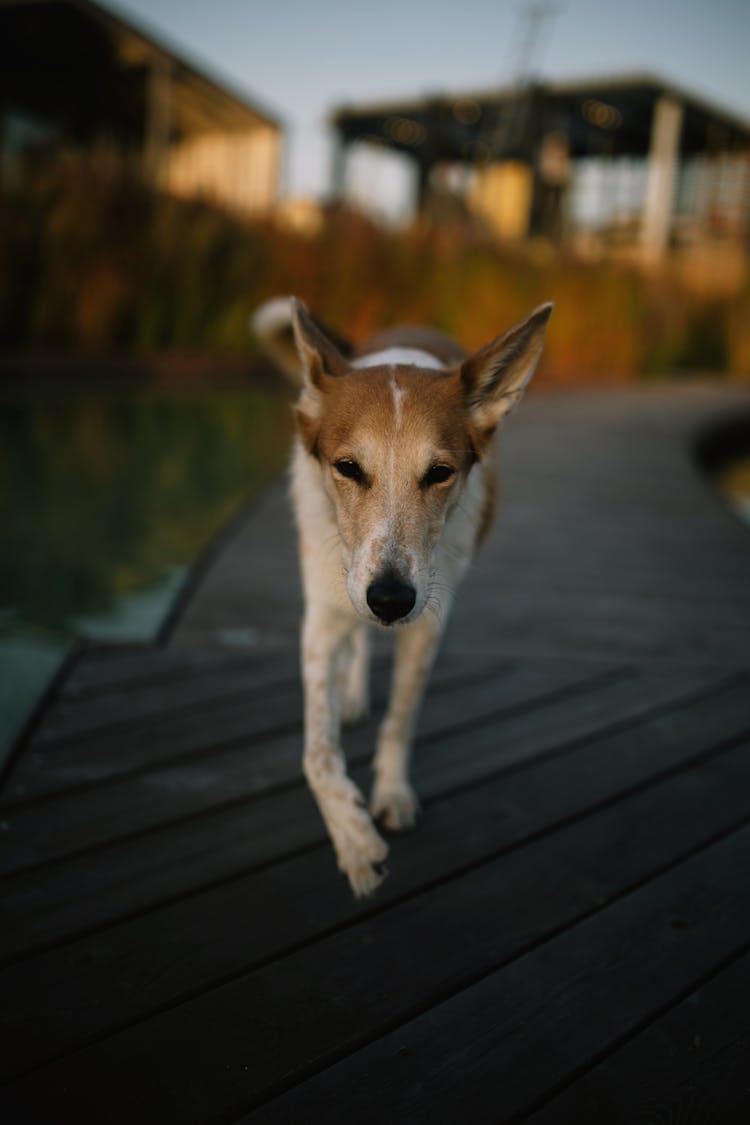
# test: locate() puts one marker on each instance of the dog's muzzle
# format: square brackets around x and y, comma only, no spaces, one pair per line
[390,599]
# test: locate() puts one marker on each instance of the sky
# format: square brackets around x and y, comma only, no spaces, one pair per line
[301,60]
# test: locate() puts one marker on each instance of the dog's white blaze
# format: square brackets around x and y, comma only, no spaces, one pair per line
[380,545]
[409,357]
[399,394]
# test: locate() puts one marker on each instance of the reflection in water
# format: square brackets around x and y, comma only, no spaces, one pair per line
[104,502]
[733,481]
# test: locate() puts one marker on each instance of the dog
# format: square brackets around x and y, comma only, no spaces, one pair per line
[393,486]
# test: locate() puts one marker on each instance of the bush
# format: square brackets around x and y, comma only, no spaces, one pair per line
[92,267]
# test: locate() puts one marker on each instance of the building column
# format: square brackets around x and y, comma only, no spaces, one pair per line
[424,168]
[338,167]
[663,159]
[158,121]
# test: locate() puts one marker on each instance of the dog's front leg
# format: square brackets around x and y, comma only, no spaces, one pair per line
[354,677]
[359,849]
[393,799]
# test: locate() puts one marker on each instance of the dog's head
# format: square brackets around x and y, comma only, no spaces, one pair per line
[396,445]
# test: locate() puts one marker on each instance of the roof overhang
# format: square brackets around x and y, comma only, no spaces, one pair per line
[611,115]
[54,32]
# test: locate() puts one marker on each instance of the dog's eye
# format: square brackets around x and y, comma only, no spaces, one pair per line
[437,474]
[349,469]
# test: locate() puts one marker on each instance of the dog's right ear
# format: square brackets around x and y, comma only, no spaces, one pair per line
[495,377]
[321,361]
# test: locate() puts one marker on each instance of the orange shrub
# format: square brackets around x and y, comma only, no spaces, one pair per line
[92,266]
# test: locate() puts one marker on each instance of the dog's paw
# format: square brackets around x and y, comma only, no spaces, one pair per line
[395,805]
[365,874]
[363,859]
[360,850]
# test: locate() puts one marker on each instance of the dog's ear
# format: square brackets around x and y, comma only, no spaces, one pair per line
[321,361]
[320,356]
[494,378]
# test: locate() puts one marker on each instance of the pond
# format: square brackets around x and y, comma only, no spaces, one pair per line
[106,498]
[733,481]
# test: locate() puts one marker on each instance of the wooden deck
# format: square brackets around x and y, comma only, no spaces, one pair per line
[564,938]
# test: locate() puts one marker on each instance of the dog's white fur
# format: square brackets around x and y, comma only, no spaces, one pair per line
[399,416]
[392,357]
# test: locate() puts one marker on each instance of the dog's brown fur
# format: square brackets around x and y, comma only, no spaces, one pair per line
[394,487]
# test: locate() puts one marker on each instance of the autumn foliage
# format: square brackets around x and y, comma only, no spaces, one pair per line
[89,267]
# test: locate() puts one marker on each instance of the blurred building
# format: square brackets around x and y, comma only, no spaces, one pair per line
[300,214]
[78,83]
[631,161]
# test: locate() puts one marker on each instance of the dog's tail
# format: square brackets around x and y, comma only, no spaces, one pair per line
[273,324]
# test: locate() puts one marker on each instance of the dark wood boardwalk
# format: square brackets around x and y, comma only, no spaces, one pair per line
[564,938]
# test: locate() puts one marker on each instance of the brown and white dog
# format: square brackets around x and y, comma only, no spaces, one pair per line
[393,488]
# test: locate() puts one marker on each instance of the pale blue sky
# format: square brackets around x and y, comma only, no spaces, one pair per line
[302,59]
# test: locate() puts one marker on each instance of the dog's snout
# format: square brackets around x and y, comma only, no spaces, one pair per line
[390,599]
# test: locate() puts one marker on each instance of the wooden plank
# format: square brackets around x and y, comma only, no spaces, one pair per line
[568,468]
[126,705]
[554,603]
[90,891]
[689,1065]
[189,853]
[92,760]
[236,945]
[493,1003]
[628,638]
[554,728]
[492,1050]
[103,667]
[59,1000]
[97,815]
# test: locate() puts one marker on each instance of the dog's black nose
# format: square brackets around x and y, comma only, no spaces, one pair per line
[390,599]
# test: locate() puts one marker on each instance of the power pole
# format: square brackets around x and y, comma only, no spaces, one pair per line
[532,17]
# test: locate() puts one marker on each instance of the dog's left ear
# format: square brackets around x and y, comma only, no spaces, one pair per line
[320,357]
[321,362]
[495,377]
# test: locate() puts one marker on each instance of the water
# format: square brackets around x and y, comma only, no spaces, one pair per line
[105,500]
[733,481]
